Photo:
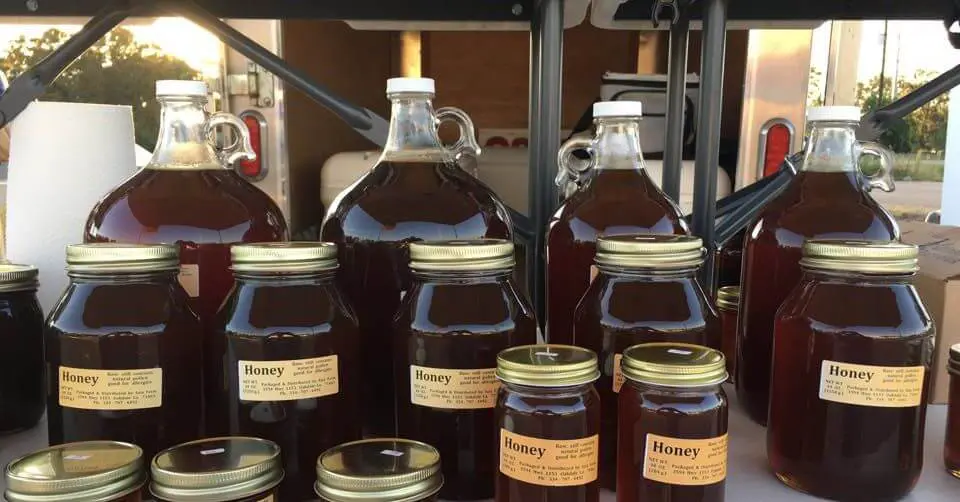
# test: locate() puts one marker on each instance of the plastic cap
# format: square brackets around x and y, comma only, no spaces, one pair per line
[420,85]
[834,114]
[618,109]
[181,88]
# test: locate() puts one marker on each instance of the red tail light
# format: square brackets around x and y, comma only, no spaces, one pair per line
[776,139]
[256,169]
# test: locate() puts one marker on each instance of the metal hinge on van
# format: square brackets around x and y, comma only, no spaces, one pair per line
[257,84]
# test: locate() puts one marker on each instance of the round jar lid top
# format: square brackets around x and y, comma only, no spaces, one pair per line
[728,297]
[547,365]
[181,88]
[91,471]
[216,469]
[462,255]
[379,470]
[869,257]
[674,365]
[617,109]
[834,114]
[113,257]
[656,251]
[412,85]
[15,277]
[284,256]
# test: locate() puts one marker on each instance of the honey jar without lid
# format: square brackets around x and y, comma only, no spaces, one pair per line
[379,470]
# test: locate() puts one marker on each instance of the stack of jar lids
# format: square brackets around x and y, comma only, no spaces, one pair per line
[379,470]
[284,257]
[650,251]
[868,257]
[547,366]
[462,255]
[674,365]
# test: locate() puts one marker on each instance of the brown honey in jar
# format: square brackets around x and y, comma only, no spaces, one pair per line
[89,471]
[616,196]
[673,424]
[286,353]
[548,425]
[461,311]
[123,350]
[22,395]
[416,191]
[951,447]
[380,470]
[728,307]
[851,373]
[224,469]
[828,199]
[646,290]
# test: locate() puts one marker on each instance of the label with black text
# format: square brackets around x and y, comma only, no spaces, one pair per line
[549,462]
[289,380]
[687,462]
[877,386]
[456,389]
[88,389]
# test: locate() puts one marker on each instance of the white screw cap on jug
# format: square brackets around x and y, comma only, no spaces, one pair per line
[834,114]
[181,88]
[405,84]
[618,109]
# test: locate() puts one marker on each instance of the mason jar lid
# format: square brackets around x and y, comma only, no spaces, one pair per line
[91,471]
[216,470]
[674,365]
[728,298]
[15,277]
[462,255]
[868,257]
[284,257]
[379,470]
[547,365]
[654,251]
[109,257]
[953,363]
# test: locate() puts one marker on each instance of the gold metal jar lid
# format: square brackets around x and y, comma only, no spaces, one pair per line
[462,255]
[652,251]
[674,365]
[869,257]
[92,471]
[284,257]
[216,470]
[953,363]
[112,258]
[547,365]
[379,470]
[15,277]
[728,298]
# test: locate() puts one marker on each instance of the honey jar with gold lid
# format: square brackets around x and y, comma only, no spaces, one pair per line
[951,447]
[379,470]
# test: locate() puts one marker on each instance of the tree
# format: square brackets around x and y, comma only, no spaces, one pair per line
[924,129]
[814,90]
[116,70]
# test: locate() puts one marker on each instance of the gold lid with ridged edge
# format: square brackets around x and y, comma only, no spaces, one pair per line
[283,257]
[728,298]
[868,257]
[953,360]
[15,277]
[90,471]
[653,251]
[379,470]
[216,469]
[109,257]
[674,365]
[461,255]
[547,365]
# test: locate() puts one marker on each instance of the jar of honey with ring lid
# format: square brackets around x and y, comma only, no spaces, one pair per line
[22,395]
[728,308]
[379,470]
[951,447]
[673,424]
[227,469]
[89,471]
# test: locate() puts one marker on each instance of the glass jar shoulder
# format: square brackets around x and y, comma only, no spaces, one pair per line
[658,303]
[476,305]
[630,206]
[547,403]
[20,307]
[303,308]
[89,308]
[688,402]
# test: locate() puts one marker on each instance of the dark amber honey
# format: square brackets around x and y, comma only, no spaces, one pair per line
[22,394]
[728,309]
[951,447]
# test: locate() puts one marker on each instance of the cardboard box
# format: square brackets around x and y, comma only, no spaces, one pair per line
[939,286]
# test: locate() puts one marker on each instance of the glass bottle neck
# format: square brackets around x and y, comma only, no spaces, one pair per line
[832,148]
[617,144]
[183,142]
[413,129]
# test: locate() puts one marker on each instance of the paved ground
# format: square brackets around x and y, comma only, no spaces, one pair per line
[915,194]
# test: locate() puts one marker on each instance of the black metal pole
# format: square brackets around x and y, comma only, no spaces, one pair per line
[676,99]
[546,74]
[708,131]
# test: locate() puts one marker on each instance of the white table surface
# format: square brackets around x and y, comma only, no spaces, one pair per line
[749,478]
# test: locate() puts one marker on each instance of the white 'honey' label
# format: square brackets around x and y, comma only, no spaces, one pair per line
[189,278]
[289,380]
[87,389]
[549,462]
[455,389]
[877,386]
[687,462]
[618,378]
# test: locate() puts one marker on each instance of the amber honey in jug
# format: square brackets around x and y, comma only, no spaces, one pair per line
[828,199]
[416,191]
[188,195]
[616,196]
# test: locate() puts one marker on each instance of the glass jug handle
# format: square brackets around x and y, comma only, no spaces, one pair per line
[467,144]
[566,171]
[241,148]
[884,178]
